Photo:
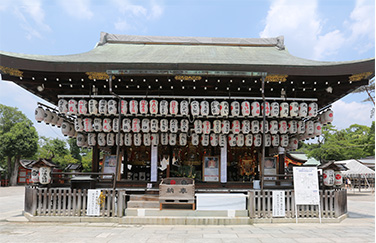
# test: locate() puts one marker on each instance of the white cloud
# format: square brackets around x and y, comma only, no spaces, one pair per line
[122,25]
[346,114]
[328,44]
[77,8]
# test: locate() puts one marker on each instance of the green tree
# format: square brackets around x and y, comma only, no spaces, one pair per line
[74,149]
[18,137]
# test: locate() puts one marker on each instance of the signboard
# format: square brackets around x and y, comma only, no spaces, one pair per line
[93,207]
[278,203]
[306,186]
[210,168]
[109,165]
[224,163]
[270,168]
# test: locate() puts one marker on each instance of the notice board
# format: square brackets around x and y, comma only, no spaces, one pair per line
[306,186]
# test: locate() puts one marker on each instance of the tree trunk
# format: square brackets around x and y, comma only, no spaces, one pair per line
[14,175]
[10,167]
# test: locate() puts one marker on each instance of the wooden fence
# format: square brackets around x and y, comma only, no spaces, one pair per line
[333,204]
[71,202]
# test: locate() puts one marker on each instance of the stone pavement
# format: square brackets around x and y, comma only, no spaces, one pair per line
[358,227]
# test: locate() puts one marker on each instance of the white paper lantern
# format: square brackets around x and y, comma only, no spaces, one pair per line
[119,140]
[312,109]
[82,107]
[224,108]
[44,175]
[153,105]
[65,128]
[248,140]
[293,126]
[92,139]
[273,127]
[47,116]
[235,127]
[145,125]
[35,174]
[80,140]
[318,129]
[128,139]
[164,125]
[144,107]
[133,107]
[255,109]
[136,125]
[174,125]
[174,107]
[72,106]
[213,139]
[88,124]
[204,108]
[303,109]
[93,107]
[232,140]
[246,126]
[102,107]
[274,109]
[184,125]
[267,108]
[110,139]
[39,114]
[62,105]
[282,127]
[115,125]
[72,131]
[310,128]
[78,125]
[137,139]
[215,108]
[195,139]
[255,128]
[147,139]
[197,125]
[240,140]
[266,126]
[338,178]
[206,127]
[235,108]
[222,140]
[182,139]
[246,108]
[225,127]
[293,143]
[164,138]
[328,116]
[124,107]
[184,108]
[268,140]
[54,119]
[163,107]
[107,127]
[217,126]
[275,140]
[60,121]
[329,178]
[102,139]
[257,139]
[154,125]
[284,141]
[195,108]
[284,109]
[301,127]
[294,109]
[172,139]
[98,125]
[155,139]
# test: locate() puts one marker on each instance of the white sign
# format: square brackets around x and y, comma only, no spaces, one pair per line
[278,203]
[93,207]
[224,163]
[154,163]
[306,186]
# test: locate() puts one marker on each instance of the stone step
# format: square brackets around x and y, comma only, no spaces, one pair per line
[143,204]
[151,212]
[185,220]
[143,197]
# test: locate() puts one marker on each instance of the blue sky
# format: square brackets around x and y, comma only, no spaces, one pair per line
[329,30]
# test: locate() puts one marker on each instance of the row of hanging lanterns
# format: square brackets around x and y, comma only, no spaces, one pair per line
[185,108]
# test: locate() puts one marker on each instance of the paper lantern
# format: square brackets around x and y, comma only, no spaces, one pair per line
[273,127]
[303,109]
[293,143]
[164,138]
[88,124]
[144,107]
[240,140]
[301,127]
[215,108]
[274,109]
[182,139]
[82,107]
[267,108]
[235,108]
[312,109]
[266,126]
[92,139]
[63,106]
[206,127]
[204,108]
[137,139]
[217,126]
[35,174]
[246,108]
[213,139]
[338,178]
[124,107]
[246,126]
[44,175]
[80,140]
[172,139]
[39,114]
[133,107]
[317,129]
[248,140]
[164,125]
[72,107]
[78,125]
[255,108]
[284,140]
[222,140]
[255,128]
[174,107]
[275,140]
[98,127]
[293,126]
[54,119]
[119,140]
[328,177]
[154,125]
[284,109]
[110,139]
[93,107]
[184,125]
[184,108]
[294,109]
[102,139]
[153,105]
[232,140]
[235,127]
[155,139]
[65,128]
[60,121]
[282,126]
[147,139]
[195,108]
[197,126]
[126,125]
[195,139]
[225,127]
[163,107]
[47,116]
[107,125]
[174,125]
[136,125]
[115,125]
[268,140]
[257,140]
[224,108]
[145,125]
[310,128]
[328,115]
[72,131]
[102,107]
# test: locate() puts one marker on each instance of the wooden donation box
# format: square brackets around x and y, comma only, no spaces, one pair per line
[177,191]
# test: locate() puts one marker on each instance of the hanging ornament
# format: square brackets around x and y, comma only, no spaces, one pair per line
[215,108]
[98,127]
[310,127]
[293,143]
[147,139]
[124,107]
[255,126]
[255,109]
[155,139]
[268,140]
[284,109]
[204,108]
[39,114]
[54,119]
[82,107]
[195,108]
[174,125]
[246,108]
[126,125]
[47,116]
[195,139]
[60,121]
[65,128]
[217,126]
[154,125]
[119,140]
[240,140]
[143,107]
[224,108]
[246,126]
[184,108]
[172,139]
[110,139]
[184,125]
[235,127]
[115,125]
[145,125]
[182,139]
[312,109]
[164,138]
[164,125]
[136,126]
[267,108]
[213,139]
[293,126]
[248,140]
[137,139]
[78,125]
[273,127]
[222,140]
[107,125]
[206,127]
[72,107]
[235,108]
[301,127]
[102,107]
[128,139]
[294,109]
[232,140]
[88,124]
[257,139]
[174,107]
[282,127]
[153,107]
[328,116]
[163,107]
[226,127]
[274,109]
[303,109]
[93,107]
[133,107]
[275,140]
[284,141]
[266,126]
[318,129]
[101,139]
[92,139]
[197,126]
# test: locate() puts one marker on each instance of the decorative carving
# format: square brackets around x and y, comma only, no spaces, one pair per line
[276,78]
[11,71]
[359,76]
[98,75]
[179,77]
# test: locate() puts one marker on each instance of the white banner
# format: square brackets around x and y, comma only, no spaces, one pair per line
[93,207]
[154,163]
[278,203]
[224,163]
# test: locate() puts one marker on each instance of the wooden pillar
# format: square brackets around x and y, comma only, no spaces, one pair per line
[95,159]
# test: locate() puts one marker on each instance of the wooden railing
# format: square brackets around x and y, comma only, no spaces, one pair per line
[71,202]
[333,204]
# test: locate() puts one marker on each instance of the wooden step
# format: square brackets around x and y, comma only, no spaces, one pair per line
[143,204]
[143,197]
